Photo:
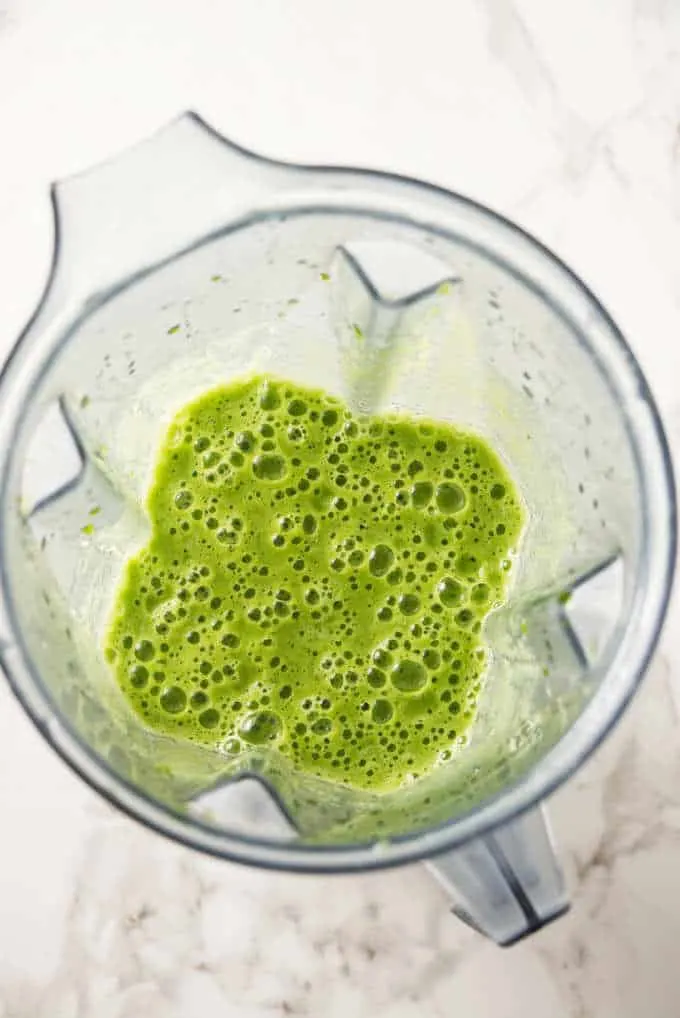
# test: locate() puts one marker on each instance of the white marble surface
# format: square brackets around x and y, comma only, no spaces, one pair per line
[564,116]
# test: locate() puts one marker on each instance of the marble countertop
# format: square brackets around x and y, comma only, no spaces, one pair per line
[567,118]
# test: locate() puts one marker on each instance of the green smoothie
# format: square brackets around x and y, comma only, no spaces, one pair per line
[316,582]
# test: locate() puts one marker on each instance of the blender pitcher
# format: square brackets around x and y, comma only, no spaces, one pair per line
[188,262]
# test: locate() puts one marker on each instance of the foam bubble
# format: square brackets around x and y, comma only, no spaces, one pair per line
[297,407]
[139,676]
[467,564]
[380,559]
[322,726]
[260,728]
[408,604]
[269,397]
[450,497]
[408,676]
[431,659]
[382,711]
[376,678]
[173,699]
[245,441]
[421,494]
[144,650]
[269,467]
[209,718]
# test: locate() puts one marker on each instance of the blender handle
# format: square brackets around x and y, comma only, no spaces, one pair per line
[506,884]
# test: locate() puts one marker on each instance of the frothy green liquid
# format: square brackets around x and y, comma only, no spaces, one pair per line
[316,582]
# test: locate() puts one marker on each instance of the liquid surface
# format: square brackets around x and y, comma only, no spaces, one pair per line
[316,582]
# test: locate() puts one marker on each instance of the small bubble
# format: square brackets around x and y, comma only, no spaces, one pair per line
[382,711]
[144,650]
[173,700]
[432,659]
[497,491]
[269,396]
[269,467]
[309,524]
[245,441]
[421,494]
[480,593]
[329,418]
[259,728]
[467,564]
[450,497]
[380,559]
[408,676]
[408,604]
[322,726]
[209,718]
[183,499]
[297,407]
[139,676]
[376,678]
[450,591]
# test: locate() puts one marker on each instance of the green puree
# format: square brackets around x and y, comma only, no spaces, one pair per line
[315,581]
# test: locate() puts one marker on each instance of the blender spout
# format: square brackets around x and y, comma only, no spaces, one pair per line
[158,199]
